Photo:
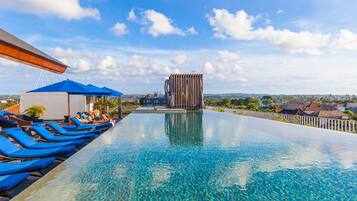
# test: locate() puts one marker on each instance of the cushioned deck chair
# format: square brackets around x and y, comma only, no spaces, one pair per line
[25,166]
[26,141]
[8,149]
[62,131]
[7,182]
[51,137]
[95,126]
[5,123]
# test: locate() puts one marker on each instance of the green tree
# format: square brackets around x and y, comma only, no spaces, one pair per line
[252,103]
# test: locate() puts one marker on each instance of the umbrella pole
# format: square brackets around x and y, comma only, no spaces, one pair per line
[119,107]
[69,109]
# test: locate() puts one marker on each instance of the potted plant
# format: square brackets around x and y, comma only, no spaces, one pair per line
[35,112]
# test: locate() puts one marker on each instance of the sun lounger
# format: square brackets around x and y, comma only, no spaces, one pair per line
[62,131]
[25,166]
[51,137]
[25,140]
[8,149]
[5,123]
[96,126]
[7,182]
[19,121]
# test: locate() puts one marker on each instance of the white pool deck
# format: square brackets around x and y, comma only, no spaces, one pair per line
[158,109]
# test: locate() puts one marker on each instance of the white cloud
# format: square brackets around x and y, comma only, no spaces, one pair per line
[8,63]
[107,63]
[140,65]
[179,59]
[224,72]
[191,31]
[345,40]
[159,24]
[239,26]
[227,56]
[80,66]
[69,53]
[131,16]
[278,12]
[208,68]
[66,9]
[119,29]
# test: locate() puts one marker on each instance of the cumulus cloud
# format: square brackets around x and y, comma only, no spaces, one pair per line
[119,29]
[69,53]
[8,63]
[66,9]
[224,72]
[278,12]
[238,26]
[107,66]
[131,15]
[159,24]
[179,59]
[345,40]
[227,56]
[80,66]
[191,31]
[140,65]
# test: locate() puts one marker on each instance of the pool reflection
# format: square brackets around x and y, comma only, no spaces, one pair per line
[184,129]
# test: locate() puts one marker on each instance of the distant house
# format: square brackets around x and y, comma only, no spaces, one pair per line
[336,114]
[351,106]
[312,108]
[330,107]
[151,100]
[325,111]
[292,107]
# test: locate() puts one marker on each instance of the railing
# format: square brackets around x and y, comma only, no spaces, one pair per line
[318,122]
[15,109]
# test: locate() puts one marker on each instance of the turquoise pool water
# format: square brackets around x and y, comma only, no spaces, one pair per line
[206,156]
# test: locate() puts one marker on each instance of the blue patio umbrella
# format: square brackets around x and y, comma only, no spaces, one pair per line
[96,91]
[113,92]
[67,86]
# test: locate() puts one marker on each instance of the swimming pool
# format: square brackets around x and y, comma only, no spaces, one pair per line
[206,156]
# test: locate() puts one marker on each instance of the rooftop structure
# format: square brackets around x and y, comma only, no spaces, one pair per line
[185,91]
[16,49]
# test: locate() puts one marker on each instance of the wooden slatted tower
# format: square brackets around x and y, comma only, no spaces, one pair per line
[185,91]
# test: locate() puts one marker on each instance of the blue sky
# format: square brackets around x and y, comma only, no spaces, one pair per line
[276,47]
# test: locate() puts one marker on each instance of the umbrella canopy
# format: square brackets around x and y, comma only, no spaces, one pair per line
[96,91]
[113,92]
[68,86]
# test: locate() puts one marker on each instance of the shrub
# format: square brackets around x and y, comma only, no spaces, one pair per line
[219,109]
[35,110]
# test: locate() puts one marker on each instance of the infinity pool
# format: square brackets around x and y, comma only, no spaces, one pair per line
[206,156]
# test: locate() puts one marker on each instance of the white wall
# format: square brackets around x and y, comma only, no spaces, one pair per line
[78,104]
[54,102]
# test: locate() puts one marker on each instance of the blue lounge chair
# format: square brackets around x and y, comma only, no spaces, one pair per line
[25,166]
[94,126]
[28,142]
[5,123]
[50,137]
[7,182]
[62,131]
[8,149]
